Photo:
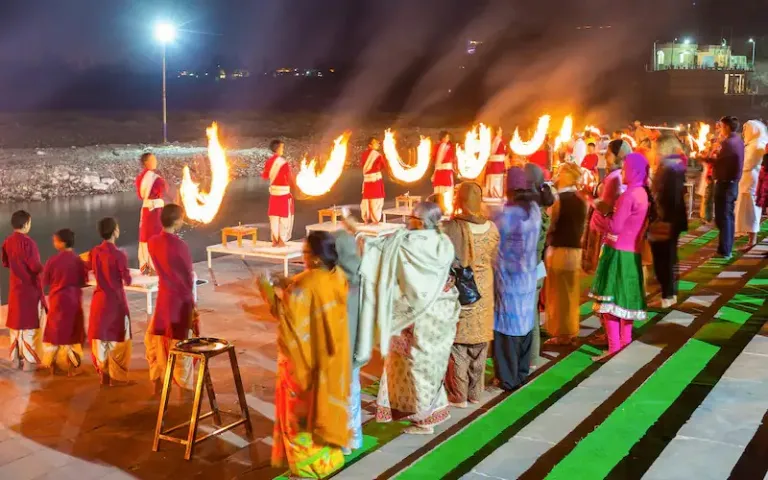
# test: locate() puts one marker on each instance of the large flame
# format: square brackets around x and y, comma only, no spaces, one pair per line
[314,183]
[199,205]
[530,147]
[629,139]
[566,132]
[400,170]
[701,138]
[473,156]
[593,129]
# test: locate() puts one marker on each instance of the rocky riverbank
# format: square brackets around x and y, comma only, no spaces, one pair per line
[41,174]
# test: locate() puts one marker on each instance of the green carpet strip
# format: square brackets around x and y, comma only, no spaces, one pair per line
[598,453]
[459,448]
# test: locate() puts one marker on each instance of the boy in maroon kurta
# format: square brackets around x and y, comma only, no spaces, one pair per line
[175,316]
[25,293]
[109,324]
[65,274]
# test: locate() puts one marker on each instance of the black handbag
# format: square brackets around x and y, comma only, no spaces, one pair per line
[465,284]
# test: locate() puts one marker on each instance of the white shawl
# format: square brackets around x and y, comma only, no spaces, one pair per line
[411,263]
[755,140]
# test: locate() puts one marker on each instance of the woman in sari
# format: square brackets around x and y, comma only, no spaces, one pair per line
[476,240]
[313,373]
[408,297]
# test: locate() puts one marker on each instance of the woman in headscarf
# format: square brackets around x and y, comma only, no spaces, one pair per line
[515,273]
[409,299]
[476,240]
[607,193]
[563,257]
[670,220]
[618,290]
[313,346]
[545,198]
[747,212]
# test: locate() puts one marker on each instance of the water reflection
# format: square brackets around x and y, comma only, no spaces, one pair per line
[245,202]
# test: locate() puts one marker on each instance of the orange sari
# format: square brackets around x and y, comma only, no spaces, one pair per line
[314,372]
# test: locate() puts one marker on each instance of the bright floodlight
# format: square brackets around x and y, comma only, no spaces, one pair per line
[165,32]
[687,41]
[751,40]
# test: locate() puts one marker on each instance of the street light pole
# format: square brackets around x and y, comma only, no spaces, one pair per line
[752,41]
[165,105]
[165,33]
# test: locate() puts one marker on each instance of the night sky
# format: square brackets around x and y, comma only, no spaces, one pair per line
[268,33]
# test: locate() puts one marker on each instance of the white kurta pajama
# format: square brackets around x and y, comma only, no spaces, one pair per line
[747,213]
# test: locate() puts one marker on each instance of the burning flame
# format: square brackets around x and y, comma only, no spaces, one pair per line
[530,147]
[448,203]
[473,156]
[314,183]
[629,139]
[400,170]
[199,205]
[701,138]
[566,132]
[587,179]
[593,129]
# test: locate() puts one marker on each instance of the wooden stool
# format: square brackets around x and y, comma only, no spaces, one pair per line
[201,349]
[407,201]
[238,232]
[333,213]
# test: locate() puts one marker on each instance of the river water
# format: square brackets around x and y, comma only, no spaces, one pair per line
[245,202]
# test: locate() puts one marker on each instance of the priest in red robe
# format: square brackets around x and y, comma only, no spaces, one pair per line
[25,293]
[151,189]
[497,165]
[109,324]
[280,209]
[65,275]
[444,157]
[373,164]
[175,317]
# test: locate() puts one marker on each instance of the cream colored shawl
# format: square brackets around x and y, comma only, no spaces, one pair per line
[410,264]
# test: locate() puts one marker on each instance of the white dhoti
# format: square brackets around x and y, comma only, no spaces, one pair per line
[371,208]
[113,358]
[63,357]
[494,185]
[281,228]
[25,346]
[157,348]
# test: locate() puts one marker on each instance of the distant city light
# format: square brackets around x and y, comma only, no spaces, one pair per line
[165,32]
[686,41]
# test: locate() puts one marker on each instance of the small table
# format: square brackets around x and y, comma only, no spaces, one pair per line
[371,230]
[407,201]
[333,213]
[260,249]
[238,232]
[689,186]
[141,283]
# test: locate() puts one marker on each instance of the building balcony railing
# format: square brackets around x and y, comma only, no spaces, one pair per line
[739,68]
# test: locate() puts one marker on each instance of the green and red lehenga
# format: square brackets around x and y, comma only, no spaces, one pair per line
[618,288]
